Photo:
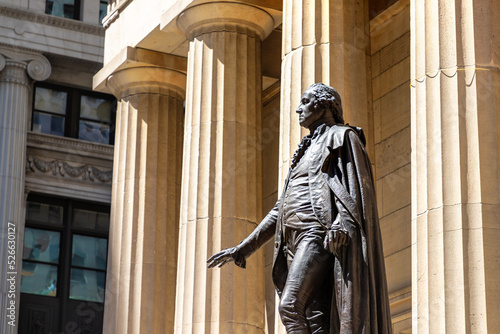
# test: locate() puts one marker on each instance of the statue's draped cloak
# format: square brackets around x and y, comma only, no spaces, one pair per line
[341,181]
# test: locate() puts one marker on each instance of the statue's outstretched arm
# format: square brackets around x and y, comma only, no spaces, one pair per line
[262,233]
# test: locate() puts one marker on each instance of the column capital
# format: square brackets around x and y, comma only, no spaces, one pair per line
[36,65]
[147,79]
[135,71]
[225,16]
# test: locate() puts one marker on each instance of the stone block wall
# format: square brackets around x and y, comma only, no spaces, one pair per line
[390,60]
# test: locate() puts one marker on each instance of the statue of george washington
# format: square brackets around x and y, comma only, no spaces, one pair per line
[328,264]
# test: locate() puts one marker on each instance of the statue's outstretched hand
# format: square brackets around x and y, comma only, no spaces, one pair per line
[335,240]
[227,255]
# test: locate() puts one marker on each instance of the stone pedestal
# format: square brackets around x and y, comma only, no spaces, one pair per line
[324,41]
[455,166]
[17,70]
[142,256]
[221,192]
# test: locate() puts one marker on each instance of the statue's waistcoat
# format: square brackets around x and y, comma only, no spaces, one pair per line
[319,194]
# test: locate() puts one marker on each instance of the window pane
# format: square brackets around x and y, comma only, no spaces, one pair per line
[95,109]
[62,8]
[87,285]
[39,279]
[93,131]
[50,100]
[49,124]
[41,245]
[103,10]
[98,221]
[44,213]
[89,252]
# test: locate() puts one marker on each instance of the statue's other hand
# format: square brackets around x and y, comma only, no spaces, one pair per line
[335,240]
[227,255]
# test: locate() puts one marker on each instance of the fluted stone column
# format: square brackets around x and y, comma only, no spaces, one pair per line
[324,41]
[142,256]
[455,166]
[17,70]
[221,192]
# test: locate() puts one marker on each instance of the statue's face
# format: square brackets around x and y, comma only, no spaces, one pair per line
[307,113]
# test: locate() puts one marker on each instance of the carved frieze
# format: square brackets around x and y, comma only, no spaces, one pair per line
[61,168]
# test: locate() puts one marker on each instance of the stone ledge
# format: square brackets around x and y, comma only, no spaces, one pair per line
[70,146]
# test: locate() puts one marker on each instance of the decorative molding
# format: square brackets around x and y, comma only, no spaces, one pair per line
[62,168]
[52,20]
[117,6]
[66,144]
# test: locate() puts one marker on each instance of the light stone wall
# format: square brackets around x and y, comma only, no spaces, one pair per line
[143,15]
[390,60]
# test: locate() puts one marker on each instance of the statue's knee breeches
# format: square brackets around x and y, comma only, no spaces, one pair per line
[293,314]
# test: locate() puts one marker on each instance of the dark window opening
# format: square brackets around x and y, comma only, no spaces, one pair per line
[103,10]
[64,265]
[70,112]
[69,9]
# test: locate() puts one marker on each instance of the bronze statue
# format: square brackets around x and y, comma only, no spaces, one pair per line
[328,264]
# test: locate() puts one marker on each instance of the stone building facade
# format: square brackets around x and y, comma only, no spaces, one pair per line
[206,125]
[56,160]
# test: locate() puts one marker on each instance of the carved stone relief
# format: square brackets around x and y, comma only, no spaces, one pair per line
[62,168]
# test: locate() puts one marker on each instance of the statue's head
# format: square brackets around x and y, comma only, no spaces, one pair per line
[319,104]
[328,98]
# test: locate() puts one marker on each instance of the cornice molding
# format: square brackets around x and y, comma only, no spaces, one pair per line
[65,144]
[61,168]
[51,20]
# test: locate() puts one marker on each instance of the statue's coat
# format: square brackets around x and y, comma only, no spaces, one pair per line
[340,180]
